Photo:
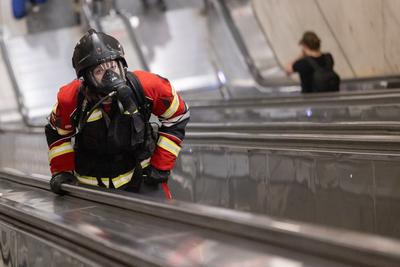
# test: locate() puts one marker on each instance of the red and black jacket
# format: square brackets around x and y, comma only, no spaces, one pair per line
[166,104]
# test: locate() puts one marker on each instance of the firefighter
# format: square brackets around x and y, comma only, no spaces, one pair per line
[106,111]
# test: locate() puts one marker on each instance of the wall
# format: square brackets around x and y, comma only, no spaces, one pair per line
[361,34]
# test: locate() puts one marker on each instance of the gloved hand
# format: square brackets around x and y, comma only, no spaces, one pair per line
[125,96]
[59,179]
[113,82]
[152,176]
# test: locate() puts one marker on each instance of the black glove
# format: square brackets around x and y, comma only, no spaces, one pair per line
[125,96]
[152,176]
[113,82]
[59,179]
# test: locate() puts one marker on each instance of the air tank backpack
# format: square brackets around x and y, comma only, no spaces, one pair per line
[150,137]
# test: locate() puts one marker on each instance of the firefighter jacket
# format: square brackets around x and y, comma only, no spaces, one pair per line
[93,161]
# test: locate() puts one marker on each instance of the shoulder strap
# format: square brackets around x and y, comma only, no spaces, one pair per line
[80,106]
[137,89]
[328,61]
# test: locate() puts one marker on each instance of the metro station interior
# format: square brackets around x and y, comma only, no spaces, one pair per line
[267,175]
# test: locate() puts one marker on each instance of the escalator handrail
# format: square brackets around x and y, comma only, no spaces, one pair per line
[287,126]
[336,99]
[355,248]
[58,229]
[372,144]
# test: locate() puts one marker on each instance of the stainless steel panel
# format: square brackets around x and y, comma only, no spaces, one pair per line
[339,189]
[20,248]
[256,41]
[170,242]
[387,196]
[175,46]
[8,108]
[354,191]
[230,60]
[311,113]
[289,187]
[114,26]
[42,64]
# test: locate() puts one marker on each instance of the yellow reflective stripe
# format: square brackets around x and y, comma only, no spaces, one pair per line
[87,179]
[106,182]
[145,163]
[117,181]
[127,112]
[63,132]
[173,107]
[64,148]
[96,115]
[168,145]
[122,179]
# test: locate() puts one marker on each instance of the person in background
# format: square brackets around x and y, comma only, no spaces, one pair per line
[314,67]
[160,3]
[107,112]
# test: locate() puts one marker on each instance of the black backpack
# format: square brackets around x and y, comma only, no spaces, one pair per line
[325,79]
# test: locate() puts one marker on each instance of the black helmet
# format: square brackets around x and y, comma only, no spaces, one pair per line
[95,48]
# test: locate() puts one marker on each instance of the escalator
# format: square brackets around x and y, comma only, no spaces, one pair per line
[90,227]
[247,60]
[336,174]
[365,106]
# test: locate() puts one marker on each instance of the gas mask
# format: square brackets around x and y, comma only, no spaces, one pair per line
[105,78]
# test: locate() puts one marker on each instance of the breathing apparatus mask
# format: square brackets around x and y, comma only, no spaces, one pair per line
[105,78]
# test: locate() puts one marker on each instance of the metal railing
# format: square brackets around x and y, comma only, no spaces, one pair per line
[356,248]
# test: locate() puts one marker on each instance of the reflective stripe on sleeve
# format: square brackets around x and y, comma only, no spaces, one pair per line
[173,121]
[62,149]
[168,145]
[173,107]
[63,132]
[96,115]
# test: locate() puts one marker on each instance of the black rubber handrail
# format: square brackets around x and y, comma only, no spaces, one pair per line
[356,248]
